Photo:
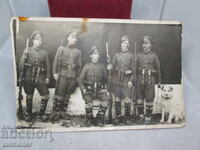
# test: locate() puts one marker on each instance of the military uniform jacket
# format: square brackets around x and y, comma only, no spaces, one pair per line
[92,73]
[36,59]
[67,62]
[123,61]
[149,61]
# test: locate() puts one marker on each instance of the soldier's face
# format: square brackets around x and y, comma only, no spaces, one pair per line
[146,45]
[125,45]
[72,38]
[37,42]
[95,57]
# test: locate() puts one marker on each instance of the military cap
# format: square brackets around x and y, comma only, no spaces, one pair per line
[93,50]
[64,41]
[149,38]
[36,35]
[125,38]
[71,31]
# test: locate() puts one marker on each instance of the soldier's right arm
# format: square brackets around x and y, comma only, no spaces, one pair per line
[157,66]
[137,64]
[79,62]
[134,68]
[56,59]
[113,62]
[82,78]
[21,65]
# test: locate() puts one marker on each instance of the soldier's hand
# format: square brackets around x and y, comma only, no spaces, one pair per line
[84,91]
[47,80]
[56,76]
[128,72]
[109,66]
[130,84]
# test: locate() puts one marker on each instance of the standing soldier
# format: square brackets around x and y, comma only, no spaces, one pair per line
[122,67]
[148,68]
[92,82]
[66,68]
[35,74]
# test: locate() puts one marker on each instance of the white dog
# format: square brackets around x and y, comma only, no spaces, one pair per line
[169,105]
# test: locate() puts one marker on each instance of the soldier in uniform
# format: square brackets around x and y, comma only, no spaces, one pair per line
[122,67]
[36,75]
[148,70]
[66,68]
[92,81]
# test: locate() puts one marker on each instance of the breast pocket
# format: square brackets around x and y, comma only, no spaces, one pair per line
[150,62]
[90,75]
[75,58]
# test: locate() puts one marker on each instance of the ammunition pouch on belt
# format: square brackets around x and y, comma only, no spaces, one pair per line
[94,87]
[147,74]
[120,76]
[42,67]
[68,67]
[36,71]
[145,71]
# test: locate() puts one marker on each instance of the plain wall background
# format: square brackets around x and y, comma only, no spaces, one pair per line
[160,139]
[166,41]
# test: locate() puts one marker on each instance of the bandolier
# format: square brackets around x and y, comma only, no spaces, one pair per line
[148,72]
[122,74]
[36,75]
[67,65]
[92,81]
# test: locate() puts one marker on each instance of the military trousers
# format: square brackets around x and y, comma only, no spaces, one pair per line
[41,86]
[145,89]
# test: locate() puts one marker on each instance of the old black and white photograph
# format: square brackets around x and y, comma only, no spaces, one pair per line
[97,74]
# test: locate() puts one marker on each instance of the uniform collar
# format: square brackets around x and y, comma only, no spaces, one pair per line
[70,46]
[124,51]
[149,52]
[94,63]
[35,49]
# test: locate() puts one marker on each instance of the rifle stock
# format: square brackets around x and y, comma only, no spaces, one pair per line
[109,85]
[21,78]
[57,81]
[134,93]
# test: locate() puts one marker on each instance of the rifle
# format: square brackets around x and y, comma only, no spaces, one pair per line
[21,79]
[56,86]
[108,59]
[109,86]
[134,95]
[59,66]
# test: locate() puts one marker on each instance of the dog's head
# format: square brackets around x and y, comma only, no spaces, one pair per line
[167,91]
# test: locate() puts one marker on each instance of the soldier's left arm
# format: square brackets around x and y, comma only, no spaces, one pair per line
[79,62]
[105,75]
[21,63]
[82,78]
[133,69]
[48,66]
[157,67]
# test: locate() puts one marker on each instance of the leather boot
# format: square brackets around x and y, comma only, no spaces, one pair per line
[127,113]
[89,117]
[29,103]
[117,120]
[101,115]
[43,106]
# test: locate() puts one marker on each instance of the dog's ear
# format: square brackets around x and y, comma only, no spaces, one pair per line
[162,87]
[171,88]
